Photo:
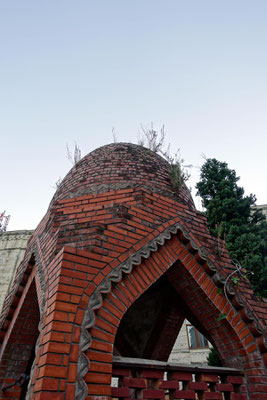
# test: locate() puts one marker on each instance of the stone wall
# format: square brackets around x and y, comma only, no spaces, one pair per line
[12,249]
[183,354]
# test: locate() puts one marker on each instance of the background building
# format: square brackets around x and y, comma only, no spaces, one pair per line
[12,249]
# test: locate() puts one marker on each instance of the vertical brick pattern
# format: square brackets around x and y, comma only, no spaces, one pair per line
[70,284]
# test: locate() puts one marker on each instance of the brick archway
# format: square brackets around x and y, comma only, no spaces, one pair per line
[231,336]
[113,229]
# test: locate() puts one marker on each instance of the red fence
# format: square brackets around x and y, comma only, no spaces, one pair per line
[147,379]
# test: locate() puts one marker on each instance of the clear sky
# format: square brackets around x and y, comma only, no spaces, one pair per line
[73,70]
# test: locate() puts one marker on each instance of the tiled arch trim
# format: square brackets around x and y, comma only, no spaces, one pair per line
[126,267]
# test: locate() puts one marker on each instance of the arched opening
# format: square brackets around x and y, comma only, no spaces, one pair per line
[156,327]
[150,326]
[147,333]
[174,290]
[19,352]
[152,323]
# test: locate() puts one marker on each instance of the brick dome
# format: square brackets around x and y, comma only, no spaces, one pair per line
[117,166]
[117,239]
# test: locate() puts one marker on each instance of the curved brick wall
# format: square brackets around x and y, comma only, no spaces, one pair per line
[113,229]
[120,165]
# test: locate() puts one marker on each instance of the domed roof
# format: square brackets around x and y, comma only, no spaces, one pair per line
[117,166]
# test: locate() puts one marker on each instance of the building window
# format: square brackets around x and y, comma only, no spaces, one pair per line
[195,338]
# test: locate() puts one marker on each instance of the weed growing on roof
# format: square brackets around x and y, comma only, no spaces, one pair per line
[155,141]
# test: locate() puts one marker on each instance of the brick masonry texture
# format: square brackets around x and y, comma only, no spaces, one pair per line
[113,229]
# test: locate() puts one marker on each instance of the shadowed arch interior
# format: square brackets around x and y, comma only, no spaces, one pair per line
[151,325]
[19,354]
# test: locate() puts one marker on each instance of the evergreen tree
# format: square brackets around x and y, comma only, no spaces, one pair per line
[230,217]
[213,358]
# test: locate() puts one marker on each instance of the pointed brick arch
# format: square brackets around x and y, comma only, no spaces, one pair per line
[174,254]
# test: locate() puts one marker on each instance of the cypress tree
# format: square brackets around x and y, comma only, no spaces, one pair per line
[231,216]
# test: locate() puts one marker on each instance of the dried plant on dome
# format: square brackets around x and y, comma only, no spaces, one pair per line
[155,140]
[75,156]
[58,183]
[152,139]
[178,172]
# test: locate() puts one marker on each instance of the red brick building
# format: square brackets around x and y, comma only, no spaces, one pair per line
[118,262]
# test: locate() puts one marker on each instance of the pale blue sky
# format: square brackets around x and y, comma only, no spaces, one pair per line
[73,70]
